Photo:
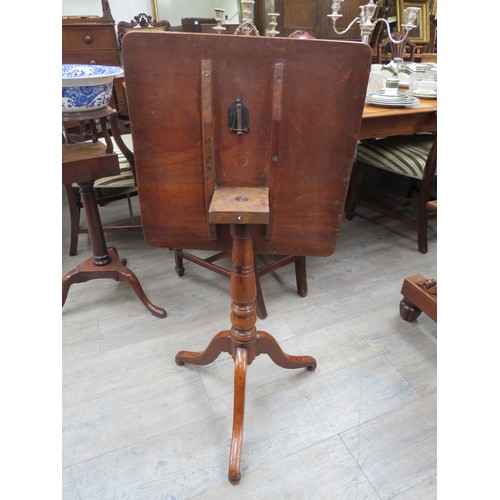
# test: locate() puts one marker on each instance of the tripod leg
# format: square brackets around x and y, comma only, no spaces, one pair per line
[267,344]
[126,275]
[220,343]
[68,279]
[240,367]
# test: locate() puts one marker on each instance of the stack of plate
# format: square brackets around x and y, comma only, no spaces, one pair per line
[424,93]
[396,100]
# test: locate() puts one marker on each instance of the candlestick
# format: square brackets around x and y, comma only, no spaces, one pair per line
[366,24]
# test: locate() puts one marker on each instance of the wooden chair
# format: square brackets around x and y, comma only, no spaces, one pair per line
[389,50]
[414,157]
[107,189]
[141,21]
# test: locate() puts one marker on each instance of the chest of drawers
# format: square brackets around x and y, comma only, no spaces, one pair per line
[93,40]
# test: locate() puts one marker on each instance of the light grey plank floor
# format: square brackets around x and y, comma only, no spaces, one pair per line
[362,426]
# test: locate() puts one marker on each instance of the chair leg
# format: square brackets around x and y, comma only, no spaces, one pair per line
[357,176]
[422,220]
[301,276]
[74,204]
[130,209]
[179,265]
[259,300]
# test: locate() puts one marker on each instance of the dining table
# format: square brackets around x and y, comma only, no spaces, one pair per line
[379,121]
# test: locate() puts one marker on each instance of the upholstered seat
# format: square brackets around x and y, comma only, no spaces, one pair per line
[414,157]
[402,155]
[126,179]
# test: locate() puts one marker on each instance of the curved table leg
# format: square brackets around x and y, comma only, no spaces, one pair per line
[240,367]
[69,279]
[267,344]
[113,269]
[124,274]
[220,343]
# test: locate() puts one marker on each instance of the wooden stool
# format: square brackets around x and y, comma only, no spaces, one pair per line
[82,163]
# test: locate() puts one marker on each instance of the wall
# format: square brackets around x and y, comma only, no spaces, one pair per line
[171,10]
[122,10]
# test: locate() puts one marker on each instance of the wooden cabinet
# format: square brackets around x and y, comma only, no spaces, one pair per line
[93,40]
[89,42]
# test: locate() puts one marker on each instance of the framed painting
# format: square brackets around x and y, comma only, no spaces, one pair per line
[420,35]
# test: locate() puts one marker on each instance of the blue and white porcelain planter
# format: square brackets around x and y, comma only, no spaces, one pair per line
[86,87]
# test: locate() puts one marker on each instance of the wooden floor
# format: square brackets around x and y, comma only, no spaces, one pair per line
[362,426]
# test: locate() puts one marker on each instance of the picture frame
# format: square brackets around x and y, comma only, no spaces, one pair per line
[420,35]
[433,8]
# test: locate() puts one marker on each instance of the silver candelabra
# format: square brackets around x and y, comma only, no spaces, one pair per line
[366,24]
[247,27]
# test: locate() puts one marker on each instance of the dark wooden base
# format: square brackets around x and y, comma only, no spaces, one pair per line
[243,354]
[113,269]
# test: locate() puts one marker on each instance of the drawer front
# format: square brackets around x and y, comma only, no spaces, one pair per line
[104,57]
[89,38]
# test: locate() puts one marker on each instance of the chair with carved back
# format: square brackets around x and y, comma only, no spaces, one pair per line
[387,50]
[143,22]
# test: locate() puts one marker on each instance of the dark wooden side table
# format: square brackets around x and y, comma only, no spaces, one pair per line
[82,163]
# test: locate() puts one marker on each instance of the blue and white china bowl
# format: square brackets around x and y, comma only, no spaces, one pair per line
[86,87]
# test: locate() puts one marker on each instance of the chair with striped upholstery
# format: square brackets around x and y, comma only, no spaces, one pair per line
[107,189]
[414,157]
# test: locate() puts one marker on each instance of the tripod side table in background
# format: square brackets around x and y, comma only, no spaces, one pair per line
[82,163]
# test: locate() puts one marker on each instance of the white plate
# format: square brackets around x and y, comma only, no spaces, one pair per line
[406,101]
[425,94]
[383,95]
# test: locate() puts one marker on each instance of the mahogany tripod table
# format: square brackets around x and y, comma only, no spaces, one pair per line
[82,163]
[247,146]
